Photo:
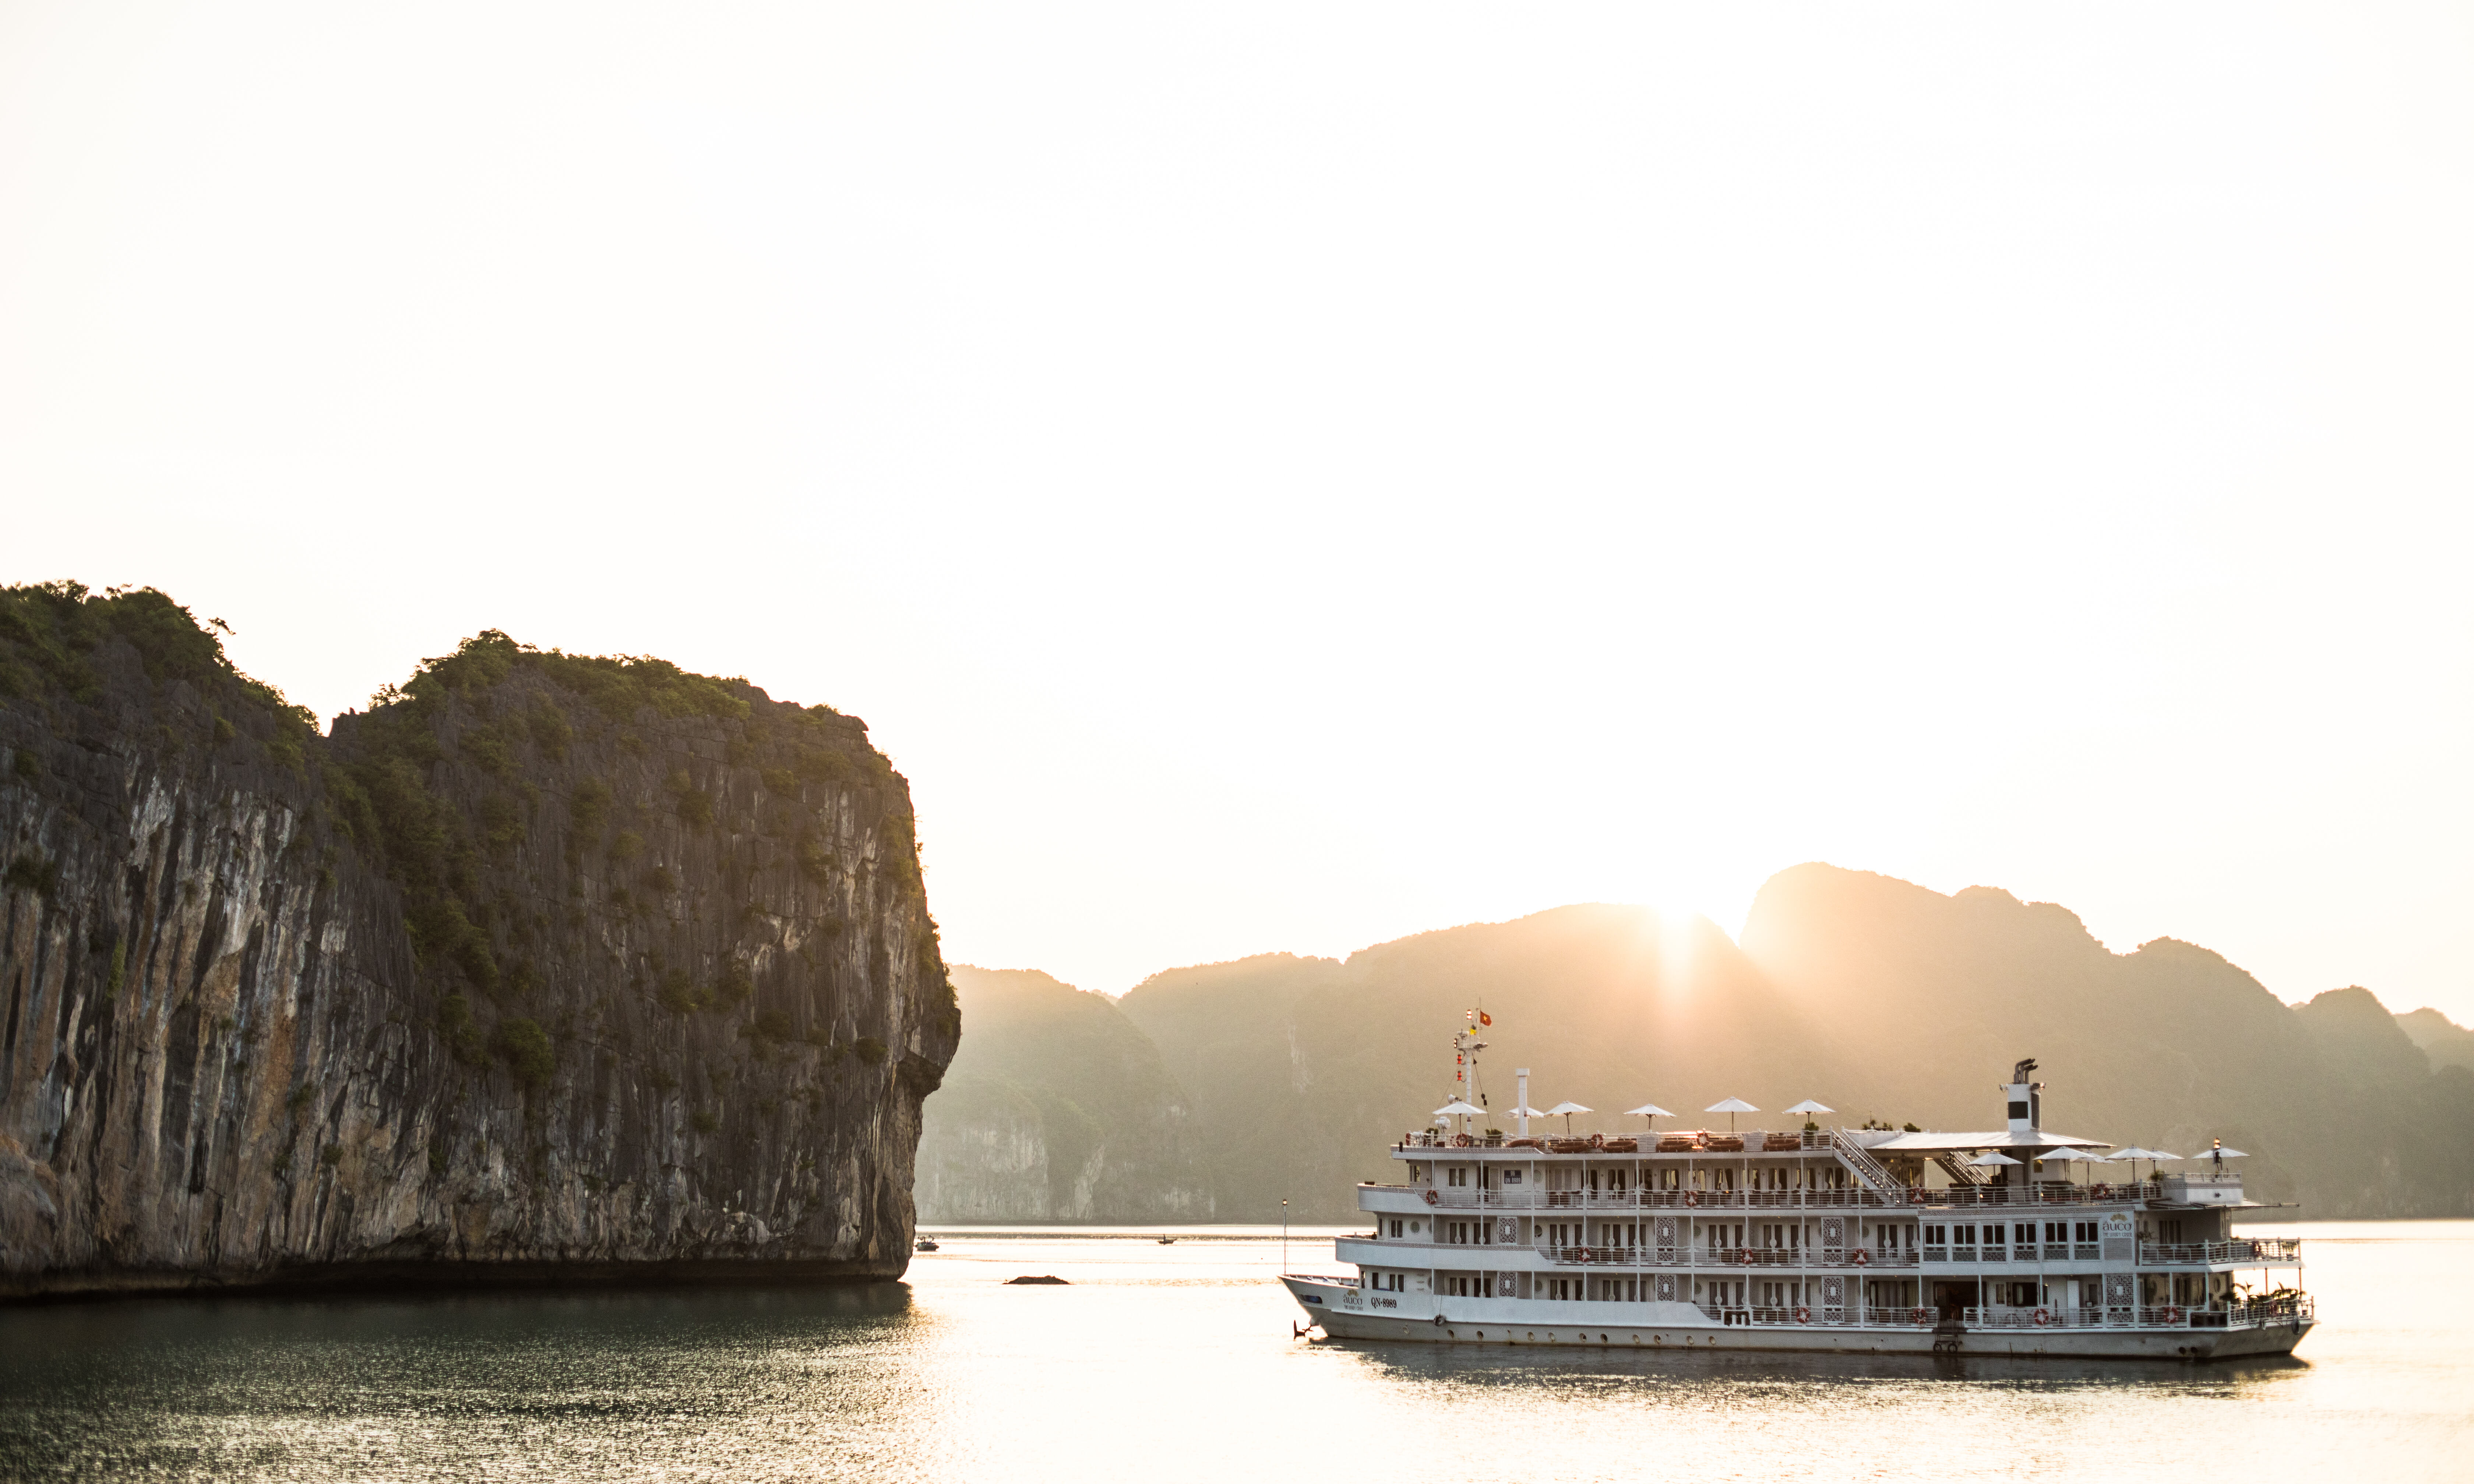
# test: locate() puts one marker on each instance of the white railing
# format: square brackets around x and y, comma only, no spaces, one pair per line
[1910,1197]
[1703,1257]
[1463,1199]
[2253,1248]
[2291,1312]
[1867,1168]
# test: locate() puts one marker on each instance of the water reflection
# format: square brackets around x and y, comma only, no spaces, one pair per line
[1174,1363]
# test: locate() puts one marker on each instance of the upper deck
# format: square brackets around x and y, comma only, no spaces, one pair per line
[1813,1168]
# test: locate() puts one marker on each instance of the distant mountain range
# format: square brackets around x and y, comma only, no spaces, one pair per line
[1213,1092]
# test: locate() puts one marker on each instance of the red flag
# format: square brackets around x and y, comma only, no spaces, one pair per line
[1483,1018]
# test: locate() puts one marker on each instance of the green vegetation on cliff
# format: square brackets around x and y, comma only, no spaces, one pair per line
[543,955]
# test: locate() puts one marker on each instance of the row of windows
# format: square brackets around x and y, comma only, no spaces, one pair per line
[1966,1233]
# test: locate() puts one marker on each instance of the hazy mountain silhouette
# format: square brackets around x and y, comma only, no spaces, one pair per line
[1058,1109]
[1882,999]
[2446,1042]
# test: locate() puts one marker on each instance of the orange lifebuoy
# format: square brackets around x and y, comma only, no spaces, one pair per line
[1915,1195]
[1433,1199]
[1860,1259]
[2043,1318]
[1744,1256]
[1803,1315]
[1598,1141]
[1919,1316]
[1692,1197]
[2172,1315]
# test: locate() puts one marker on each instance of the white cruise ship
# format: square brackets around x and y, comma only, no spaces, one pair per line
[2011,1242]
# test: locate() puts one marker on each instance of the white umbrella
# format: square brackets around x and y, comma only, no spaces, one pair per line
[1524,1113]
[1808,1105]
[1993,1157]
[2134,1154]
[1646,1111]
[1567,1108]
[1457,1109]
[1731,1107]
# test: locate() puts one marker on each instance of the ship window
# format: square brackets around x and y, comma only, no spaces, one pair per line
[1395,1228]
[1936,1236]
[2017,1110]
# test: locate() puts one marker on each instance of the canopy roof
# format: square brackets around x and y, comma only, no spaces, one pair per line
[1953,1143]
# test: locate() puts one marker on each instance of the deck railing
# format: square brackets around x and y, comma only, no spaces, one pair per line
[2244,1249]
[1703,1257]
[1844,1198]
[2289,1311]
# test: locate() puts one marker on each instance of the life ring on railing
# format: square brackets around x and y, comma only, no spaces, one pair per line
[1918,1316]
[1803,1315]
[2172,1315]
[1915,1195]
[1460,1142]
[2043,1318]
[1433,1199]
[1598,1141]
[1692,1197]
[1744,1256]
[1861,1259]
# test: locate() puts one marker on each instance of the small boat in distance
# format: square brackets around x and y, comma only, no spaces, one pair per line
[925,1244]
[1868,1240]
[1166,1240]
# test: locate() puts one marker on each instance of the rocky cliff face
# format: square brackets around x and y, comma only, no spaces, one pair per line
[545,968]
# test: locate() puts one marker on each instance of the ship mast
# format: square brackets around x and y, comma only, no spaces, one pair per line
[1465,1049]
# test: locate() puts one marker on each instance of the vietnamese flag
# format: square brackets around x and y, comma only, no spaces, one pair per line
[1483,1018]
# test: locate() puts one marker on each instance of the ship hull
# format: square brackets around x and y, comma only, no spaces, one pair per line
[1610,1325]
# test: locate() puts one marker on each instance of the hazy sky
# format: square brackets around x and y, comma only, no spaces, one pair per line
[1284,476]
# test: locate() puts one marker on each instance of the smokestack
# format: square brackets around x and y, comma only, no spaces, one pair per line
[2025,1098]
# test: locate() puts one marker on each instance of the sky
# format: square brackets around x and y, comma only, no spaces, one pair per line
[1284,476]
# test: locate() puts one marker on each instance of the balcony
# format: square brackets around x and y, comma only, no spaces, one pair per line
[1707,1259]
[1844,1198]
[2296,1309]
[2240,1250]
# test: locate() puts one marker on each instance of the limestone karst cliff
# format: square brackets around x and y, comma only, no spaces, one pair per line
[546,968]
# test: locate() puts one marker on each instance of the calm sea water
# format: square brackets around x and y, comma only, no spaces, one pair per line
[1176,1363]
